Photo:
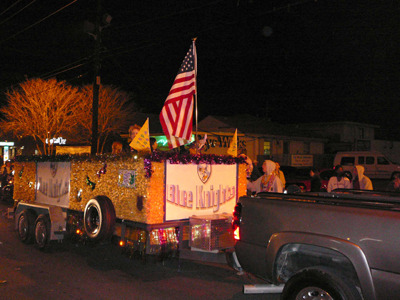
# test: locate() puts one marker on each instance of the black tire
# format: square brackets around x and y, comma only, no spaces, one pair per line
[99,219]
[309,283]
[26,226]
[42,232]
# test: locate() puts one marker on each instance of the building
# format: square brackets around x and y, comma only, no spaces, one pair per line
[352,136]
[343,136]
[263,139]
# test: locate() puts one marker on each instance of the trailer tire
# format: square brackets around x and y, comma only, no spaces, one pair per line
[308,283]
[42,232]
[26,226]
[99,219]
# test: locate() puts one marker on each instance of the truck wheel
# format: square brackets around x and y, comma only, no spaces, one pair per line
[99,219]
[318,284]
[26,226]
[42,232]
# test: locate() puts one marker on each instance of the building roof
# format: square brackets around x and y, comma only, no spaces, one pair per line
[247,124]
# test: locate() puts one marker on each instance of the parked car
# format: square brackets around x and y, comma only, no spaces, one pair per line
[376,165]
[301,177]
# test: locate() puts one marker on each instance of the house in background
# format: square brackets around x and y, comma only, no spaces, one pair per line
[343,136]
[352,136]
[263,139]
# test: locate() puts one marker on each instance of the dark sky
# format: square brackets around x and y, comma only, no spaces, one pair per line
[297,61]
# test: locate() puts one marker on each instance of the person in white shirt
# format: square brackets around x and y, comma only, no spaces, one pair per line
[339,181]
[280,174]
[269,182]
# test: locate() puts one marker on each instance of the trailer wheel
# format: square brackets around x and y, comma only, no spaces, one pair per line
[26,226]
[99,219]
[319,283]
[42,232]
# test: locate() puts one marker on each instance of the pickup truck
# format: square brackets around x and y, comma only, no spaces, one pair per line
[342,245]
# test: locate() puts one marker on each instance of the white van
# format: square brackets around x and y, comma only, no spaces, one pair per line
[376,164]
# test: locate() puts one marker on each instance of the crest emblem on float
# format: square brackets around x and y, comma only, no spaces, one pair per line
[204,171]
[53,168]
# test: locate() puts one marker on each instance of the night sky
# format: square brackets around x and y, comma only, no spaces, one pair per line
[293,61]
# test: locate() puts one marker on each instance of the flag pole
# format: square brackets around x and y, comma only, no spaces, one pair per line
[195,84]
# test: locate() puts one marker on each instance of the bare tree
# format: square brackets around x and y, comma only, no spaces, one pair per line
[41,109]
[115,109]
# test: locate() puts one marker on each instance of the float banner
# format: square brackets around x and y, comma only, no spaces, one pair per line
[202,189]
[52,183]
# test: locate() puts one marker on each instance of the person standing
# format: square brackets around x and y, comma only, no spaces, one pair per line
[5,171]
[269,182]
[252,171]
[339,181]
[153,144]
[360,181]
[394,184]
[315,180]
[133,131]
[249,162]
[116,148]
[280,174]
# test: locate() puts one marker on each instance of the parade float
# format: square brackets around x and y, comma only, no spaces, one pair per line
[153,203]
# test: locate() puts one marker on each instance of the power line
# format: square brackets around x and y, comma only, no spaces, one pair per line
[169,15]
[12,7]
[52,75]
[222,24]
[16,12]
[145,44]
[37,21]
[55,72]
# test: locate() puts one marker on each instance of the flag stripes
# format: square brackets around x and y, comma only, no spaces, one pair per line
[176,116]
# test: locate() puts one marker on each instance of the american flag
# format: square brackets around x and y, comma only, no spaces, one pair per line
[176,116]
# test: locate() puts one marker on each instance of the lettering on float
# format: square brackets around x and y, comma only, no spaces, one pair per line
[53,188]
[201,199]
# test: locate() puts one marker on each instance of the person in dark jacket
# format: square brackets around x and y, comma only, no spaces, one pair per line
[315,180]
[153,144]
[394,184]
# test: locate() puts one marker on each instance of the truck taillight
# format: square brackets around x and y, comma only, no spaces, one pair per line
[236,221]
[236,233]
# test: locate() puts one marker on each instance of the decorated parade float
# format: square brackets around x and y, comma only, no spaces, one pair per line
[148,201]
[153,203]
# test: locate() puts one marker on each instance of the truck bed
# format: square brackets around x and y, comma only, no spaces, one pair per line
[366,220]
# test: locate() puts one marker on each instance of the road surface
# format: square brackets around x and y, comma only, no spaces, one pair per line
[77,271]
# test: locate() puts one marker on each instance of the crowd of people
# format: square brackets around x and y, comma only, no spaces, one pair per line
[273,179]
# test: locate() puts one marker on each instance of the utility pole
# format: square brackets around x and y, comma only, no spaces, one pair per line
[96,80]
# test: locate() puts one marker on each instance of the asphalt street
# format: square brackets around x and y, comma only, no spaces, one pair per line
[78,271]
